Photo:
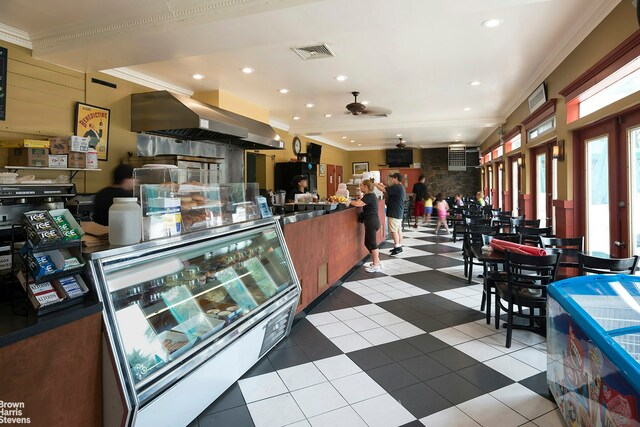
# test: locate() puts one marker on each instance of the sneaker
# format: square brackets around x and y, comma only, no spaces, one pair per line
[415,225]
[374,269]
[367,264]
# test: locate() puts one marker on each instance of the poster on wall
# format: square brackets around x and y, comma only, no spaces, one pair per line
[93,122]
[3,83]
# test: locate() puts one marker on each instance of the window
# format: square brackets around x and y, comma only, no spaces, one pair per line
[542,128]
[515,142]
[625,86]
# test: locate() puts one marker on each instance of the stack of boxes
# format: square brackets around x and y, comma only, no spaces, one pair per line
[66,152]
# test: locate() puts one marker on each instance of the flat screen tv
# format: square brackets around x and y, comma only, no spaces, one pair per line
[314,151]
[400,157]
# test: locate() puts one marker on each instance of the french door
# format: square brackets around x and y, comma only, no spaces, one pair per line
[608,176]
[500,193]
[545,185]
[515,185]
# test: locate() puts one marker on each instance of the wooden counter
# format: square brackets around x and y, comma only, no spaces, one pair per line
[325,248]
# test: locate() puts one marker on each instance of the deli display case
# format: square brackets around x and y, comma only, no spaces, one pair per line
[185,317]
[593,355]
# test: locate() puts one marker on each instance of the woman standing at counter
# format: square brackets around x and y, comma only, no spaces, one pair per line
[369,205]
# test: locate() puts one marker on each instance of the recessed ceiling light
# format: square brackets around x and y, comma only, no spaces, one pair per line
[247,70]
[353,140]
[459,134]
[198,76]
[491,23]
[457,140]
[296,117]
[283,90]
[341,78]
[365,102]
[344,137]
[474,83]
[327,115]
[310,105]
[467,109]
[359,145]
[398,135]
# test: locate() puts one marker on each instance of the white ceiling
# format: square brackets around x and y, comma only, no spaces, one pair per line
[415,57]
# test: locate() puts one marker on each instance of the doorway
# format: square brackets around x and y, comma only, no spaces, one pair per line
[545,184]
[257,169]
[608,184]
[515,185]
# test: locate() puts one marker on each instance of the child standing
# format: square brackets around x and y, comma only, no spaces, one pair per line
[428,209]
[442,207]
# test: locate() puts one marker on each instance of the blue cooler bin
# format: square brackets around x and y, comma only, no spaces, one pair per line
[593,354]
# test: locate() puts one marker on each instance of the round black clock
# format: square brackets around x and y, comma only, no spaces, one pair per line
[297,146]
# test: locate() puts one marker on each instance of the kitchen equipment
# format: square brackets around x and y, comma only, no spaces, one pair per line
[280,197]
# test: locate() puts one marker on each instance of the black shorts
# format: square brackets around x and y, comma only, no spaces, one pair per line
[371,227]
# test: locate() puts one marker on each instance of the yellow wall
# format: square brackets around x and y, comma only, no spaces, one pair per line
[229,102]
[614,29]
[377,158]
[330,155]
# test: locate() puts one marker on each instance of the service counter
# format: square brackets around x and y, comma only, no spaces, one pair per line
[326,246]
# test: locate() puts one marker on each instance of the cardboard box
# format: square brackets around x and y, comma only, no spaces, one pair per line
[67,144]
[38,157]
[57,160]
[25,143]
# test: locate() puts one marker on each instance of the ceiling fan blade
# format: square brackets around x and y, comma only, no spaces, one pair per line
[377,111]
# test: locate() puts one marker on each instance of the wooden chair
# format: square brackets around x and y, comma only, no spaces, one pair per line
[527,277]
[531,235]
[491,271]
[473,236]
[596,265]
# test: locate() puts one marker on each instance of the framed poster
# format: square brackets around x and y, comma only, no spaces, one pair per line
[360,167]
[93,122]
[3,83]
[322,169]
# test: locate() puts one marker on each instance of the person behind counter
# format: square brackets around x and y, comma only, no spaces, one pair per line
[299,187]
[122,187]
[395,209]
[369,205]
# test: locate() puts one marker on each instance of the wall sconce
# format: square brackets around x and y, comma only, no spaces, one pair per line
[557,151]
[490,169]
[482,171]
[521,161]
[500,167]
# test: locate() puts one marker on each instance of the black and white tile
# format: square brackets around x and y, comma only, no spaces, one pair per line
[405,347]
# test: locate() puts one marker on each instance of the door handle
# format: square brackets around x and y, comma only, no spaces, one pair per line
[620,244]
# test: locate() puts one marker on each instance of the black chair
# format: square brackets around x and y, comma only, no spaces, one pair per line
[527,277]
[596,265]
[519,221]
[466,220]
[531,235]
[473,236]
[568,247]
[491,272]
[408,210]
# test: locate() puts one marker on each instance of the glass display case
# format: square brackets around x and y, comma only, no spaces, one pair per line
[593,340]
[173,304]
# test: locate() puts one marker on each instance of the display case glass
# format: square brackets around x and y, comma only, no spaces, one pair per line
[170,303]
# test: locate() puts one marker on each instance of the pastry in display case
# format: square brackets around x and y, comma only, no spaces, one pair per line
[167,306]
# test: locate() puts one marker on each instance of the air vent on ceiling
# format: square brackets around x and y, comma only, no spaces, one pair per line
[313,52]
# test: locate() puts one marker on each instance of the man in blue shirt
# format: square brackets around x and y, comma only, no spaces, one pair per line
[395,209]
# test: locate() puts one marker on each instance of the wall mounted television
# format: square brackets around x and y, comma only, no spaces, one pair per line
[400,157]
[313,153]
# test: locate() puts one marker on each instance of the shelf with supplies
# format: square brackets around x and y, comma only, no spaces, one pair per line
[72,171]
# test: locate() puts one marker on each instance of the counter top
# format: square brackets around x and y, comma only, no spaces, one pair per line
[16,327]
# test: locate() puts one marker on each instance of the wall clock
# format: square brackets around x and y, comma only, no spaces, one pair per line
[297,146]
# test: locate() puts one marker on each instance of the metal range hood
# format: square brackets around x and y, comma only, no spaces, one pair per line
[178,116]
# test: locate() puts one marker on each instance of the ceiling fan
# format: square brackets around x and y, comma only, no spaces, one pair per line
[357,108]
[401,144]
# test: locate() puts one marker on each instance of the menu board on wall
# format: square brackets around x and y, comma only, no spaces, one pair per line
[3,83]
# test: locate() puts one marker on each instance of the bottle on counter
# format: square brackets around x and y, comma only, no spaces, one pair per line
[125,221]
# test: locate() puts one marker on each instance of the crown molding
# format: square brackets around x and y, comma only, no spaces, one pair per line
[15,36]
[142,79]
[600,10]
[279,125]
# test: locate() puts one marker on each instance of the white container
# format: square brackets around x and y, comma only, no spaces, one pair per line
[125,221]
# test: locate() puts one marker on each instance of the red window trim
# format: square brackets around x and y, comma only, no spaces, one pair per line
[624,53]
[543,113]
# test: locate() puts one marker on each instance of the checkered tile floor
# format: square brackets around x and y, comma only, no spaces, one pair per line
[408,346]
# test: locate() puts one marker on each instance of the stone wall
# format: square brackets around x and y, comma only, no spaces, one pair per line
[440,179]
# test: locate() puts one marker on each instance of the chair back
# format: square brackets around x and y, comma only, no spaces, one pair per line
[531,223]
[508,237]
[530,235]
[476,220]
[475,232]
[596,265]
[529,274]
[562,243]
[457,211]
[516,221]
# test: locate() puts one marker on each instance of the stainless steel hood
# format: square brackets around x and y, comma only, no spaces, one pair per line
[180,117]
